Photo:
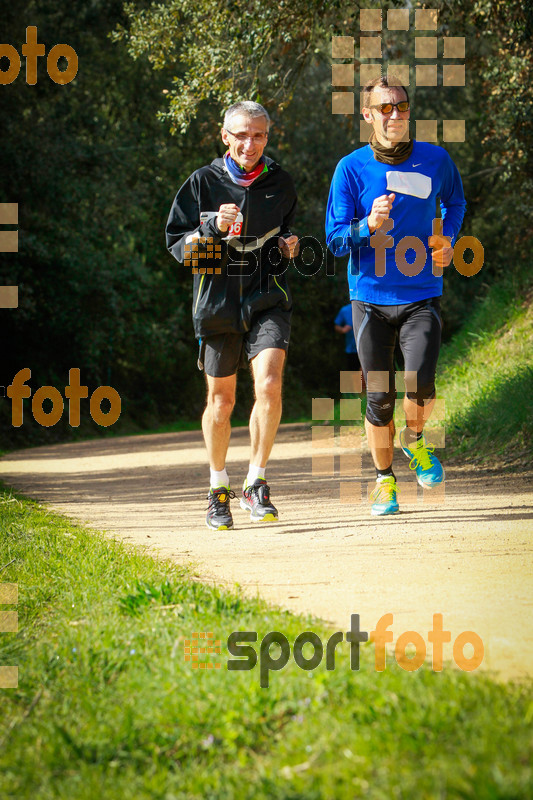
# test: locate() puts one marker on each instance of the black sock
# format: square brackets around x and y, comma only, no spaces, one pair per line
[385,473]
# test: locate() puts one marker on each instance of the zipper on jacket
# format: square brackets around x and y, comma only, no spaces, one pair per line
[247,201]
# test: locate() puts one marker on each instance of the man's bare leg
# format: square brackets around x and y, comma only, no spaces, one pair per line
[216,428]
[381,439]
[216,424]
[429,470]
[381,443]
[267,368]
[416,416]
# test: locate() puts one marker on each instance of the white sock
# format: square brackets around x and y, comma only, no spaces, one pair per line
[254,473]
[219,478]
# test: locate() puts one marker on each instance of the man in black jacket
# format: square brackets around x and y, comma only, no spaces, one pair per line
[230,222]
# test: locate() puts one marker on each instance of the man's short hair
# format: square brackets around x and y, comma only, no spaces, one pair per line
[247,107]
[385,82]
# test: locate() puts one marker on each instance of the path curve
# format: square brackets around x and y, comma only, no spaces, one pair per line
[467,555]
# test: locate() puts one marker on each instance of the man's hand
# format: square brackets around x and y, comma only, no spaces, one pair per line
[441,250]
[227,214]
[380,211]
[290,246]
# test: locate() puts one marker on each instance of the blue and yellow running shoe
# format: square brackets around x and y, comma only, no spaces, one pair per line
[384,497]
[429,470]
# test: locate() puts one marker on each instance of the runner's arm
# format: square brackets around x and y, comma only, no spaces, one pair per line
[344,232]
[452,201]
[287,240]
[183,225]
[290,209]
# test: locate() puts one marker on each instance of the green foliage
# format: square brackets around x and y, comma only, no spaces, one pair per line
[497,171]
[486,377]
[94,175]
[94,172]
[224,51]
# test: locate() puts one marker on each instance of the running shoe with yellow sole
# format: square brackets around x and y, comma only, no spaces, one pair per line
[256,500]
[218,516]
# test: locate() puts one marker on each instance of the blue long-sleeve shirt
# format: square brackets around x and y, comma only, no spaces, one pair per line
[428,175]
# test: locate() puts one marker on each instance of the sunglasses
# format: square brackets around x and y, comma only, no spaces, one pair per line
[386,108]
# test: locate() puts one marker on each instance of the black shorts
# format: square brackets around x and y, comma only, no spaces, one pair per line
[223,354]
[416,327]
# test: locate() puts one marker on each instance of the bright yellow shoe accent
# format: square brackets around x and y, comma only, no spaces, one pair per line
[423,461]
[384,497]
[421,455]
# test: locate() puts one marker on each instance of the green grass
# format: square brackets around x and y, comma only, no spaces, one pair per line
[486,377]
[107,707]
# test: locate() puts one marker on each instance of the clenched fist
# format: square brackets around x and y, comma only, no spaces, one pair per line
[441,250]
[380,211]
[290,247]
[227,214]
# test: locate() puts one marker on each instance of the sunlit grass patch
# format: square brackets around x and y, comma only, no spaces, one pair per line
[108,706]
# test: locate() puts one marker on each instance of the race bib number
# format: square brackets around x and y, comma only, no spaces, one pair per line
[236,228]
[233,231]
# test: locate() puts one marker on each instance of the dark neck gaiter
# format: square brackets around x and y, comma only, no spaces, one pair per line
[391,155]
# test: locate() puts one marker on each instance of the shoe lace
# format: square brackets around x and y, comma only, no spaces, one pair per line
[384,492]
[216,502]
[422,456]
[253,489]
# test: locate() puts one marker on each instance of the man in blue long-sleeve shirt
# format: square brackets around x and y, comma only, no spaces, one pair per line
[381,211]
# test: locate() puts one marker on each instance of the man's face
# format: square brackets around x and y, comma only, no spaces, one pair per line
[246,140]
[389,128]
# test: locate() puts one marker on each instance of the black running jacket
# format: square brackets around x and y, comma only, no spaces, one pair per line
[241,271]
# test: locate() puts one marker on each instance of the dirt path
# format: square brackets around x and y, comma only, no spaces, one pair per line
[466,555]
